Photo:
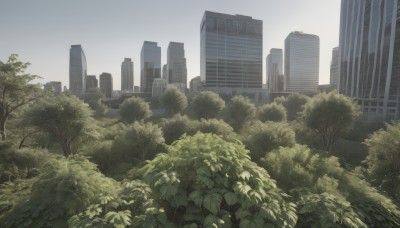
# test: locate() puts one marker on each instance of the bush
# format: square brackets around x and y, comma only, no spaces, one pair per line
[173,128]
[207,105]
[239,111]
[134,109]
[174,101]
[272,112]
[218,127]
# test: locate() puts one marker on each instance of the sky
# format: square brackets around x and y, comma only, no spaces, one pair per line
[42,31]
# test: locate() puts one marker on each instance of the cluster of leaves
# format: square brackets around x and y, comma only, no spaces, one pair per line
[272,112]
[95,101]
[294,104]
[207,105]
[134,109]
[206,181]
[174,101]
[239,111]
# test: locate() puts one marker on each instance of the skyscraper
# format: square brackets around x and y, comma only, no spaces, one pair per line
[53,86]
[106,84]
[176,63]
[230,51]
[127,75]
[334,77]
[150,65]
[91,82]
[77,70]
[274,69]
[369,61]
[301,62]
[164,72]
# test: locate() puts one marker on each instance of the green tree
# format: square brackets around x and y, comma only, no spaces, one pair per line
[208,182]
[64,118]
[174,101]
[294,105]
[173,128]
[95,102]
[383,159]
[207,105]
[272,112]
[15,89]
[239,111]
[218,127]
[330,116]
[134,109]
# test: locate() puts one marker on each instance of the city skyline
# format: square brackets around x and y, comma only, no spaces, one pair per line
[44,38]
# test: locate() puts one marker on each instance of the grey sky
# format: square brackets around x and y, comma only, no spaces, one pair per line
[42,31]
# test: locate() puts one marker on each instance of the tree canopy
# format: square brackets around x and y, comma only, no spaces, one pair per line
[207,105]
[239,111]
[272,112]
[174,101]
[134,109]
[294,104]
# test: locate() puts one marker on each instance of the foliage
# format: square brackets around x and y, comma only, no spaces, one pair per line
[264,137]
[294,104]
[15,89]
[302,172]
[14,193]
[272,112]
[207,105]
[134,109]
[383,159]
[239,111]
[65,118]
[218,127]
[95,101]
[173,128]
[64,188]
[174,101]
[330,116]
[206,181]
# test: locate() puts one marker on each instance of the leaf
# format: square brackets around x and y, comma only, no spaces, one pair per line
[212,202]
[211,221]
[245,175]
[230,198]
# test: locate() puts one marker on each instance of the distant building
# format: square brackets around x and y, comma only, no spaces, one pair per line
[106,84]
[334,77]
[127,75]
[180,86]
[326,88]
[77,70]
[91,82]
[301,63]
[164,72]
[159,86]
[274,69]
[195,86]
[176,63]
[136,89]
[53,86]
[150,65]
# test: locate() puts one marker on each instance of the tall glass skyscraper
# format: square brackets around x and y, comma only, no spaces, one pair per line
[370,56]
[301,63]
[274,69]
[77,70]
[230,51]
[176,63]
[127,75]
[106,84]
[150,65]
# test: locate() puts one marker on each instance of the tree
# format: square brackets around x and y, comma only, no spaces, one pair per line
[294,105]
[383,159]
[218,127]
[66,118]
[239,111]
[272,112]
[330,116]
[207,105]
[95,101]
[15,89]
[173,128]
[208,182]
[174,101]
[134,109]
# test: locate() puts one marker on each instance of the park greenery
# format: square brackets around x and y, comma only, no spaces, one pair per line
[296,162]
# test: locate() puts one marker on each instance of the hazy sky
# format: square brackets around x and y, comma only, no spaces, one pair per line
[42,31]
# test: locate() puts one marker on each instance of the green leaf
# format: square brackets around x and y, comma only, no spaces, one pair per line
[230,198]
[212,202]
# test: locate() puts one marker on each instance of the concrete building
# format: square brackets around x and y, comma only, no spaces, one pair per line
[53,86]
[274,68]
[180,86]
[91,82]
[150,65]
[195,86]
[334,77]
[164,72]
[159,86]
[176,63]
[77,70]
[301,63]
[127,75]
[136,89]
[106,84]
[369,61]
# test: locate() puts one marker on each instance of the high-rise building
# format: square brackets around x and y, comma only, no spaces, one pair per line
[274,68]
[127,75]
[77,70]
[195,85]
[301,62]
[159,86]
[53,86]
[230,51]
[150,65]
[334,67]
[176,63]
[369,61]
[164,72]
[106,84]
[91,82]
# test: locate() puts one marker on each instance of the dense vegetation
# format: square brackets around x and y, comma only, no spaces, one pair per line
[297,162]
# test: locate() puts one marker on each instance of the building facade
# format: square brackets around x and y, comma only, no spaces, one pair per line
[176,63]
[369,61]
[159,86]
[301,63]
[274,69]
[334,76]
[127,75]
[91,82]
[164,72]
[195,86]
[53,86]
[77,70]
[230,51]
[150,65]
[106,84]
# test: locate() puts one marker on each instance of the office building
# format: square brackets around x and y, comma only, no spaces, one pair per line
[230,52]
[150,65]
[91,82]
[164,72]
[195,86]
[127,75]
[176,63]
[53,86]
[159,86]
[369,56]
[106,84]
[77,70]
[301,63]
[334,77]
[274,69]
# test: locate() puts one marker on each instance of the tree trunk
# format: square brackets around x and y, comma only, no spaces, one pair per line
[3,129]
[66,148]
